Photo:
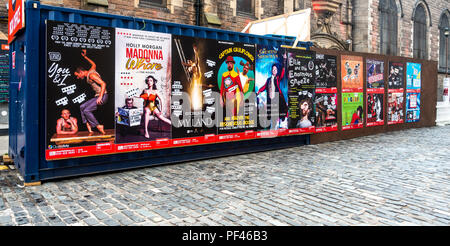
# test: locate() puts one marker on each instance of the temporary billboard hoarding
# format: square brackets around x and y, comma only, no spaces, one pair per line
[352,92]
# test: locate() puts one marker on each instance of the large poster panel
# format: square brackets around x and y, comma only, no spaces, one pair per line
[301,81]
[396,86]
[143,78]
[237,113]
[375,92]
[79,90]
[352,110]
[325,102]
[352,92]
[413,85]
[194,91]
[271,90]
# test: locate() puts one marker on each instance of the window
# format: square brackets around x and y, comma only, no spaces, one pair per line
[420,33]
[443,24]
[152,2]
[299,4]
[388,27]
[245,6]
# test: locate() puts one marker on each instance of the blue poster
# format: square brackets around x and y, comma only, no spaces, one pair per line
[412,107]
[413,76]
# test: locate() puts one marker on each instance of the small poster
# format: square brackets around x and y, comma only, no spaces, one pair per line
[237,112]
[271,90]
[325,102]
[352,110]
[143,78]
[375,109]
[80,90]
[395,108]
[194,91]
[396,73]
[352,73]
[413,76]
[412,107]
[301,81]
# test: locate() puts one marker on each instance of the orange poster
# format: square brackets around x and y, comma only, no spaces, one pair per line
[352,73]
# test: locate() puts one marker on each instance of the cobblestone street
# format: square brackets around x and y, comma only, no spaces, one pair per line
[396,178]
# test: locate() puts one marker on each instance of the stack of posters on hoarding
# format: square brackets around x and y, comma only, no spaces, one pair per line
[271,90]
[396,84]
[352,92]
[194,91]
[301,91]
[413,85]
[325,102]
[375,92]
[237,112]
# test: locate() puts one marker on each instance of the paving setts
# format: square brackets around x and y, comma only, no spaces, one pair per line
[396,178]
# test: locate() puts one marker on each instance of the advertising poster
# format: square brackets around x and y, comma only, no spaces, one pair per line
[271,90]
[375,92]
[412,107]
[325,102]
[352,73]
[237,113]
[79,90]
[375,109]
[395,78]
[142,101]
[413,85]
[395,108]
[352,110]
[396,86]
[194,91]
[301,81]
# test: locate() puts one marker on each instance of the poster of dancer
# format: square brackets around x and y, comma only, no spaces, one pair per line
[271,90]
[143,78]
[301,81]
[396,85]
[79,90]
[237,113]
[194,90]
[413,86]
[375,92]
[352,110]
[325,102]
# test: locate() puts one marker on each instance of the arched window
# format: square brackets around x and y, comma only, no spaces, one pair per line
[443,24]
[420,33]
[388,27]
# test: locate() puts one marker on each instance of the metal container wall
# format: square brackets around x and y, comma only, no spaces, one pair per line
[27,99]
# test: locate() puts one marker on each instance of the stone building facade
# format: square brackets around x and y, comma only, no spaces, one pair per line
[411,28]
